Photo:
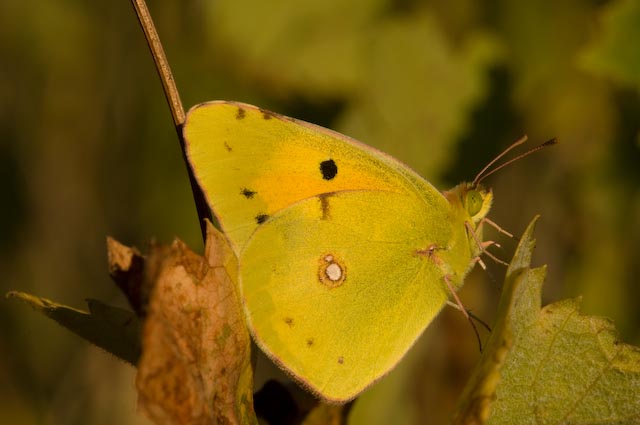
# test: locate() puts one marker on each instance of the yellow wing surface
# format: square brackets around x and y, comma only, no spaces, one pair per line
[328,232]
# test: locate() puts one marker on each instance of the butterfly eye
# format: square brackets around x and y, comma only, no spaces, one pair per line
[473,202]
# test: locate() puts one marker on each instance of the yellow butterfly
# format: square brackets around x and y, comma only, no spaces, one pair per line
[345,254]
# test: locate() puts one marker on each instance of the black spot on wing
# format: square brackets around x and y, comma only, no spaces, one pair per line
[240,114]
[340,360]
[328,169]
[261,218]
[289,321]
[227,147]
[248,193]
[310,342]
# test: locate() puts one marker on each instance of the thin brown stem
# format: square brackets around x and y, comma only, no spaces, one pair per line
[159,58]
[175,105]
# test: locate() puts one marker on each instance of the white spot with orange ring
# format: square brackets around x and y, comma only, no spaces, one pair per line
[331,271]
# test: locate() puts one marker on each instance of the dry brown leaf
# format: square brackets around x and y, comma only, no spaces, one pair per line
[127,267]
[195,366]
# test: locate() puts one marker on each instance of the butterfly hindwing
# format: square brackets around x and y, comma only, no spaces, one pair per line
[333,295]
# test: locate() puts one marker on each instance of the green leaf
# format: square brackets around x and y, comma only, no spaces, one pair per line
[111,328]
[418,90]
[614,52]
[550,365]
[317,47]
[408,87]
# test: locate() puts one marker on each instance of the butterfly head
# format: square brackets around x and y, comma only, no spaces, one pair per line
[477,202]
[472,197]
[474,200]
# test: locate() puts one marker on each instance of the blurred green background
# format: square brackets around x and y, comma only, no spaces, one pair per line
[88,149]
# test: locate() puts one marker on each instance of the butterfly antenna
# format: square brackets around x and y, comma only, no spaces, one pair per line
[493,161]
[482,176]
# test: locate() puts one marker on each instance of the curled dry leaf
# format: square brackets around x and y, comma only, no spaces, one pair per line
[195,366]
[127,267]
[113,329]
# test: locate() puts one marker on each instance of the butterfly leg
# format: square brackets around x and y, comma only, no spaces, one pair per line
[459,306]
[447,280]
[487,244]
[473,316]
[483,245]
[495,226]
[478,260]
[430,252]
